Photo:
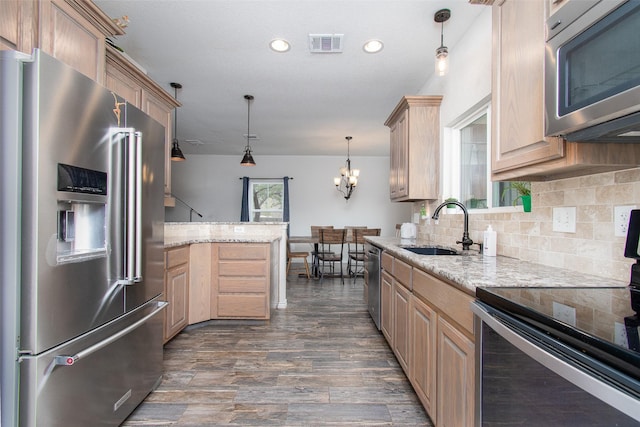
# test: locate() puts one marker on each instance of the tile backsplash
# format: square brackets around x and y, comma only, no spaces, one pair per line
[592,249]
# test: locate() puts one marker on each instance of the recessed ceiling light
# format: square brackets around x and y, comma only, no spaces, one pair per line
[373,46]
[279,45]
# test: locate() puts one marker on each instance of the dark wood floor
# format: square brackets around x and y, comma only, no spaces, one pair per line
[320,361]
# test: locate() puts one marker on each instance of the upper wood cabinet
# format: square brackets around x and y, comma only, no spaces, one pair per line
[74,32]
[519,148]
[128,81]
[415,148]
[17,25]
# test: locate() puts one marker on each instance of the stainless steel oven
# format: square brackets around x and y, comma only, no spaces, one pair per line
[592,71]
[533,370]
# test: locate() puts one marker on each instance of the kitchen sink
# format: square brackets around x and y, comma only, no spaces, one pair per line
[431,250]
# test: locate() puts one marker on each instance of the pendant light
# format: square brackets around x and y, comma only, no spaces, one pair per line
[247,160]
[176,152]
[442,53]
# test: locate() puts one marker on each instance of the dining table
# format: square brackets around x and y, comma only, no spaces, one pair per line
[315,241]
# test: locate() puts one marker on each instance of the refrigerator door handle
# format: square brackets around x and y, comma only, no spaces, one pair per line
[133,256]
[63,360]
[138,209]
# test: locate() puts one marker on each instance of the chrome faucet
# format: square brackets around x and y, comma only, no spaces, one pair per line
[466,241]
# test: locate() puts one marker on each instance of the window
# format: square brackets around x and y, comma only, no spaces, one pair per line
[467,150]
[266,200]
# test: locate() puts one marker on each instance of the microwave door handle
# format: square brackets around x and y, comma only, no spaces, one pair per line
[138,209]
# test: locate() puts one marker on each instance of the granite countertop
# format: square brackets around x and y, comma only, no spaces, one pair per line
[471,269]
[173,242]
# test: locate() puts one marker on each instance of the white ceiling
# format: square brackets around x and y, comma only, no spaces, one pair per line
[305,104]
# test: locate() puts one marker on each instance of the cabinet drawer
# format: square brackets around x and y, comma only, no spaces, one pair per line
[242,268]
[386,261]
[246,306]
[402,272]
[448,300]
[243,251]
[242,285]
[177,256]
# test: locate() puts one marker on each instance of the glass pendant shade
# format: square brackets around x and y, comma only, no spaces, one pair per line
[442,60]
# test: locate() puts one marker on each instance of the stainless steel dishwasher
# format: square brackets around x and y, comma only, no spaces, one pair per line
[372,254]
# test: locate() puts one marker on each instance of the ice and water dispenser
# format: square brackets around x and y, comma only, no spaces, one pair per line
[82,210]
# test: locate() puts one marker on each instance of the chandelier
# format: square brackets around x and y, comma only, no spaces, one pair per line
[348,179]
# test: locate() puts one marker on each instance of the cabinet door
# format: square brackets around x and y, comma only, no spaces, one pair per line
[200,282]
[124,86]
[177,294]
[399,136]
[517,119]
[17,25]
[423,354]
[456,369]
[401,325]
[68,36]
[162,113]
[386,306]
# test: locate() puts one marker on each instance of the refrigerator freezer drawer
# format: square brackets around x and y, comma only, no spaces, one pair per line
[107,374]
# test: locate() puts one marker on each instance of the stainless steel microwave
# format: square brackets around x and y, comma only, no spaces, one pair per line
[592,71]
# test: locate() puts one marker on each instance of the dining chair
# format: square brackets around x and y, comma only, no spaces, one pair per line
[356,256]
[331,251]
[298,254]
[315,233]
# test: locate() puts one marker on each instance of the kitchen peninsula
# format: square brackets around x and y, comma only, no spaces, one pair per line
[223,270]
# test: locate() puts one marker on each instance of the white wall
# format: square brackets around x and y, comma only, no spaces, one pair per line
[469,78]
[211,185]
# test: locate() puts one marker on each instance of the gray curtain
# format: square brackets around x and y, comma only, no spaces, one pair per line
[244,211]
[285,202]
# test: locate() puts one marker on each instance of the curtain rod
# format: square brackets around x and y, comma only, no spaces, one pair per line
[266,178]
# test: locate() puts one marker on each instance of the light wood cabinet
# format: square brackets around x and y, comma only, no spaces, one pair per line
[423,354]
[241,280]
[401,325]
[176,290]
[456,368]
[519,148]
[200,282]
[386,306]
[415,148]
[18,25]
[454,350]
[129,82]
[429,326]
[74,32]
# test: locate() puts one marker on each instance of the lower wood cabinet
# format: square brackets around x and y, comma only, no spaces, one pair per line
[423,354]
[240,286]
[456,367]
[386,306]
[429,326]
[401,325]
[176,292]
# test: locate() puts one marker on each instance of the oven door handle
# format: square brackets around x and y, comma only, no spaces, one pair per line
[560,365]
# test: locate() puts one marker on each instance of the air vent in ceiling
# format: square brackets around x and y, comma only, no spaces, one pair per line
[325,43]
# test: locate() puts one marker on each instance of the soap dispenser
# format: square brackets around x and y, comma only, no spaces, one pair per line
[490,242]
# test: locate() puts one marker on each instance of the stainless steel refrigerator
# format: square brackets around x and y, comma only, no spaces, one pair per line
[81,247]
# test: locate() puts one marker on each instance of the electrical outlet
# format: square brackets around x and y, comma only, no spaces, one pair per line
[621,219]
[564,313]
[564,219]
[238,229]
